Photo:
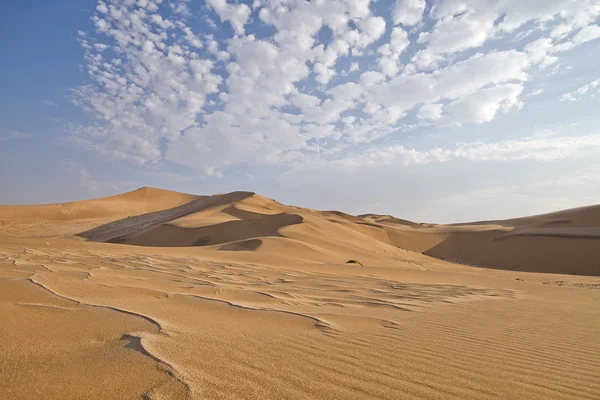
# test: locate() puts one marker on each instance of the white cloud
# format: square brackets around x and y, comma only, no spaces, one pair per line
[460,79]
[465,24]
[532,148]
[101,7]
[430,111]
[370,30]
[408,12]
[453,34]
[539,52]
[536,92]
[236,14]
[587,34]
[160,90]
[391,52]
[592,89]
[153,87]
[483,105]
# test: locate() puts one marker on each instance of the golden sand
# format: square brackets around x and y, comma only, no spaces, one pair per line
[162,295]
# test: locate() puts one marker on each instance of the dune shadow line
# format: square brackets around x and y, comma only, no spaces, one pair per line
[139,223]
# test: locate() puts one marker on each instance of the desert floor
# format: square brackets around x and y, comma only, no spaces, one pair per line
[270,313]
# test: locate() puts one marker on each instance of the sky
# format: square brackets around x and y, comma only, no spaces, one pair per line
[434,111]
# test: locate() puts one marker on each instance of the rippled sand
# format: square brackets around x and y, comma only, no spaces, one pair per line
[283,318]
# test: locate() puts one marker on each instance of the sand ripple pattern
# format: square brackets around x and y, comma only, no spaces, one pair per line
[232,330]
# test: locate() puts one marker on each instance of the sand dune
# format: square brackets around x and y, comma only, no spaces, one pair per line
[566,242]
[74,217]
[140,201]
[562,242]
[161,295]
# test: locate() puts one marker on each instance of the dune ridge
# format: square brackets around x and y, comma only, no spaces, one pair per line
[70,218]
[139,201]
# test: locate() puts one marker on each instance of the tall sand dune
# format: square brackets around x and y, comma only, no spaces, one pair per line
[140,201]
[73,217]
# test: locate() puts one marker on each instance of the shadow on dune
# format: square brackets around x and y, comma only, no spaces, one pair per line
[134,224]
[242,245]
[225,232]
[547,254]
[157,229]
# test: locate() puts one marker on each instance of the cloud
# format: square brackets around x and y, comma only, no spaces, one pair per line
[455,82]
[453,34]
[536,92]
[483,105]
[276,89]
[591,89]
[466,24]
[49,103]
[408,12]
[236,14]
[587,34]
[528,148]
[391,52]
[430,111]
[153,87]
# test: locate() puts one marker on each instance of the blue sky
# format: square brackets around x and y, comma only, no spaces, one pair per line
[438,111]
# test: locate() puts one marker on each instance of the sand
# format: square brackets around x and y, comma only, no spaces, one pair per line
[162,295]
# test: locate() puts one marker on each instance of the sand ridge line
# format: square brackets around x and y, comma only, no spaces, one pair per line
[135,339]
[319,323]
[47,306]
[414,290]
[147,318]
[135,343]
[369,356]
[409,291]
[567,233]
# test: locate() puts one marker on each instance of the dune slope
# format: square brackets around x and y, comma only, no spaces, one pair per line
[566,242]
[74,217]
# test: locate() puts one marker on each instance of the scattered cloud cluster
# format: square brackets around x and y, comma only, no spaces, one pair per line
[591,89]
[285,81]
[539,147]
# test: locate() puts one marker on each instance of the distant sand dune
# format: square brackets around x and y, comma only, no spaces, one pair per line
[565,242]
